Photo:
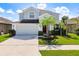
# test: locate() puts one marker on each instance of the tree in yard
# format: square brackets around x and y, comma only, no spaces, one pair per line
[64,21]
[62,26]
[47,21]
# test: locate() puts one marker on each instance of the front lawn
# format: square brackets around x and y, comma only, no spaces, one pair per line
[72,39]
[4,37]
[59,52]
[66,40]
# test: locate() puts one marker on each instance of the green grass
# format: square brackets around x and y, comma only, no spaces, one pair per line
[42,42]
[4,37]
[73,36]
[73,39]
[59,52]
[66,40]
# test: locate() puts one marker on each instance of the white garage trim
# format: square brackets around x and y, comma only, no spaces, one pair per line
[26,28]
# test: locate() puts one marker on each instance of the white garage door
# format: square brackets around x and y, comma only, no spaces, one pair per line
[26,28]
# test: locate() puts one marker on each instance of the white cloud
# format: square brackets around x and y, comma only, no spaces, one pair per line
[2,10]
[10,11]
[73,16]
[41,6]
[18,11]
[62,10]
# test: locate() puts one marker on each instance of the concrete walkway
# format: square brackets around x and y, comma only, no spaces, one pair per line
[20,46]
[58,47]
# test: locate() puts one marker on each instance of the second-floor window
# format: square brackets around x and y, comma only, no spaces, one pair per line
[31,14]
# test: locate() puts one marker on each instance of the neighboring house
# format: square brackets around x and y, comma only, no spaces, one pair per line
[5,25]
[29,20]
[72,26]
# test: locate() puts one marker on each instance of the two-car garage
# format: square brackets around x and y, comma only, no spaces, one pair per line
[26,28]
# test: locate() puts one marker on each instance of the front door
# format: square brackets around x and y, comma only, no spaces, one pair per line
[44,29]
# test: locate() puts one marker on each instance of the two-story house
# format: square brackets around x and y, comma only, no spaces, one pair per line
[29,20]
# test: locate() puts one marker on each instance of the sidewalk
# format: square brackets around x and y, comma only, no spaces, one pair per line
[58,47]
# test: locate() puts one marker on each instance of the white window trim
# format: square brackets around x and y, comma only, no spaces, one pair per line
[29,15]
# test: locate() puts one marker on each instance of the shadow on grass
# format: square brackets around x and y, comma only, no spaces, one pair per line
[48,40]
[73,36]
[53,46]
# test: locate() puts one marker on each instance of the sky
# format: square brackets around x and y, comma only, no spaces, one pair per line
[11,10]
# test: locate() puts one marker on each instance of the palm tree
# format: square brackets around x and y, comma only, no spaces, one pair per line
[64,19]
[47,21]
[62,26]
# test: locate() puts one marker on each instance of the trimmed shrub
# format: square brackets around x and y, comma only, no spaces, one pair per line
[77,31]
[51,32]
[12,32]
[63,32]
[57,32]
[40,33]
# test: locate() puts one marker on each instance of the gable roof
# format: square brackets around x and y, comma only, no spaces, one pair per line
[48,11]
[5,21]
[44,15]
[71,22]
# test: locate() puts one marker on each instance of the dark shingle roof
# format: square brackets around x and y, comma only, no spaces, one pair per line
[5,20]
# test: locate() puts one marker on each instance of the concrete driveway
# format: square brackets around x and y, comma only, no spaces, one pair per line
[20,45]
